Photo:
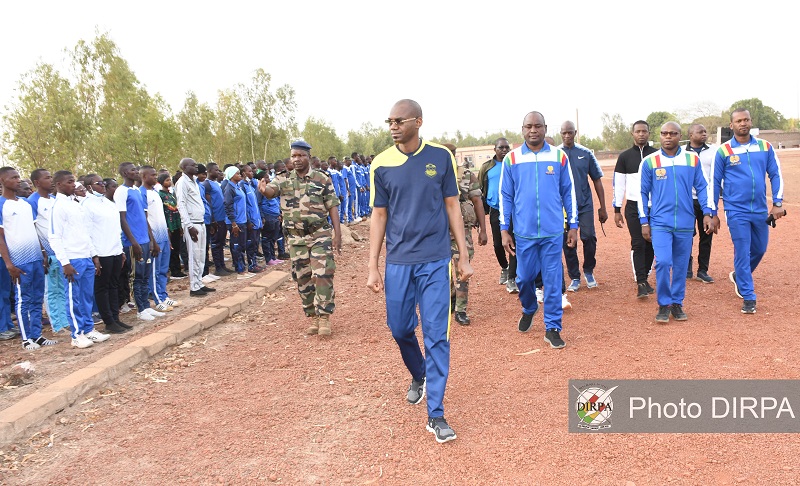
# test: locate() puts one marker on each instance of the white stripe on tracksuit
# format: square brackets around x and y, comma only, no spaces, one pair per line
[155,282]
[20,322]
[72,309]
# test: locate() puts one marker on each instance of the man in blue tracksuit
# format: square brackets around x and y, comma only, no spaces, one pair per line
[667,179]
[743,163]
[353,188]
[536,187]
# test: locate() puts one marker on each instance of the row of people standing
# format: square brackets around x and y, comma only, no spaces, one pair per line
[350,180]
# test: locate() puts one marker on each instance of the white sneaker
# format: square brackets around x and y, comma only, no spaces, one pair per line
[124,309]
[540,296]
[565,303]
[245,275]
[163,307]
[207,280]
[145,316]
[154,312]
[81,341]
[97,336]
[212,276]
[172,303]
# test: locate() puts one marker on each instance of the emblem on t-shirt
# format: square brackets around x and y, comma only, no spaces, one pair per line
[661,174]
[735,160]
[430,170]
[550,170]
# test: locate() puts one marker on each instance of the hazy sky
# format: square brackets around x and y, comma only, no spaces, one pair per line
[474,66]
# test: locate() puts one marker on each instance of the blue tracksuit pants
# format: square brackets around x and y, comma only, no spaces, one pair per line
[30,296]
[543,255]
[750,235]
[56,295]
[5,301]
[80,296]
[426,285]
[672,251]
[160,267]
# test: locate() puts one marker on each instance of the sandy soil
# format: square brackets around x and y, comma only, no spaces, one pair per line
[253,400]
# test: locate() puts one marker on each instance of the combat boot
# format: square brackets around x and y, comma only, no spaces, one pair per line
[314,327]
[324,325]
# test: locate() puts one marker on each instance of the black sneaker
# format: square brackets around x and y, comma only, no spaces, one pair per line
[677,313]
[732,277]
[114,328]
[641,291]
[663,313]
[554,338]
[525,322]
[177,276]
[207,289]
[749,307]
[222,272]
[462,318]
[123,325]
[704,277]
[284,256]
[198,293]
[416,391]
[442,431]
[650,290]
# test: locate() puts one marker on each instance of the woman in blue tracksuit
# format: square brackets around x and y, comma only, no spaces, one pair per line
[667,178]
[236,212]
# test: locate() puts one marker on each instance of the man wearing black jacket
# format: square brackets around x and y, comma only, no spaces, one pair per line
[627,186]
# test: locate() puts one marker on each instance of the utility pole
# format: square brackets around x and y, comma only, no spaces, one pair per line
[577,127]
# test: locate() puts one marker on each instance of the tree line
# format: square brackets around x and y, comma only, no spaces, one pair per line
[100,115]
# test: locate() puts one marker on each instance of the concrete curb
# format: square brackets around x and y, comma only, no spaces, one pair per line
[37,407]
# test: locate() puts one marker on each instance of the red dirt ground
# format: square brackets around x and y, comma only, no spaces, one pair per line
[253,400]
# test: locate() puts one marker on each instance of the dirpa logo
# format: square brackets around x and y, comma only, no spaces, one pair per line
[661,174]
[550,170]
[594,407]
[430,170]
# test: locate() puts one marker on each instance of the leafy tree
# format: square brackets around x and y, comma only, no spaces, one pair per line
[369,140]
[595,144]
[764,117]
[322,138]
[616,134]
[195,121]
[45,126]
[231,129]
[656,119]
[270,116]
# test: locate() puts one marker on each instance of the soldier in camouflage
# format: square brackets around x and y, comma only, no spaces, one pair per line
[473,214]
[307,200]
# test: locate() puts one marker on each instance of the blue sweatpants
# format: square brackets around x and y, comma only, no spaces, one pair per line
[238,246]
[143,273]
[750,235]
[30,296]
[426,285]
[543,255]
[5,301]
[80,296]
[672,251]
[56,296]
[160,267]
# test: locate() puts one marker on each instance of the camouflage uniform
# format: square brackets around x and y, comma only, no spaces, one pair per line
[469,186]
[305,203]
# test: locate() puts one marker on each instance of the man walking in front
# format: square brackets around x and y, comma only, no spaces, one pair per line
[414,195]
[536,188]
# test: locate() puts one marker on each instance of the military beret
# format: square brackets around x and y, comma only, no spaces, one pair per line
[301,145]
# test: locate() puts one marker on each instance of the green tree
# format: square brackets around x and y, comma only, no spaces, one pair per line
[45,126]
[594,144]
[270,116]
[369,140]
[195,121]
[616,134]
[231,129]
[764,117]
[322,138]
[656,119]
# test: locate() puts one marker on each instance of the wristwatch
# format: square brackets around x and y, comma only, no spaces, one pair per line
[778,204]
[708,214]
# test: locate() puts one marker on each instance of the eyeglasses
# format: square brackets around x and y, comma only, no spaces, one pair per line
[671,134]
[502,147]
[99,183]
[398,121]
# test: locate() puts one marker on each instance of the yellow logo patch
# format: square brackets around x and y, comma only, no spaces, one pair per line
[430,170]
[550,170]
[661,174]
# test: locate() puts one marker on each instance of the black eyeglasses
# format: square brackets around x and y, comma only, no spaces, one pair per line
[671,134]
[398,121]
[503,147]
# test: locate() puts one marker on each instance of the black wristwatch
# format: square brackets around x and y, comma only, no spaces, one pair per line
[708,214]
[778,204]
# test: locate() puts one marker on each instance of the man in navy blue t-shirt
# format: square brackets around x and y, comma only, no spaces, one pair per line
[415,199]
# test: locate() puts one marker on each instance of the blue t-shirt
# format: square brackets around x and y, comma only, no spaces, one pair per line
[413,187]
[493,186]
[207,214]
[217,201]
[134,203]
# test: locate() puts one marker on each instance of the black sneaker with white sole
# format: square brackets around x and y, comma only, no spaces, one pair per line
[443,432]
[663,313]
[704,277]
[678,313]
[553,337]
[525,322]
[732,277]
[416,391]
[749,307]
[641,291]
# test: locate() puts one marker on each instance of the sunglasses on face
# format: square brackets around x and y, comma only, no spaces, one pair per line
[397,121]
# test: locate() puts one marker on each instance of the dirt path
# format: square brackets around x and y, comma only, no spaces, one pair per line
[253,400]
